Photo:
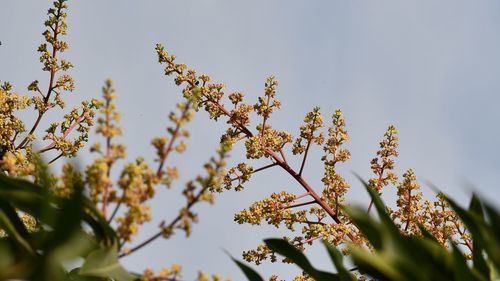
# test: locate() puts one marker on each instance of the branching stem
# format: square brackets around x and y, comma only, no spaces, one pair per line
[175,134]
[46,99]
[300,204]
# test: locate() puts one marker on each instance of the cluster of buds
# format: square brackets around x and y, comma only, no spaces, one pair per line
[408,203]
[16,143]
[174,273]
[322,217]
[335,185]
[312,123]
[383,165]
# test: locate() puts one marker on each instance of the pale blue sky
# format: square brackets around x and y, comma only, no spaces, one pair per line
[429,67]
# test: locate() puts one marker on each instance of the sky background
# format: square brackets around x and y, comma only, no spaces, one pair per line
[429,67]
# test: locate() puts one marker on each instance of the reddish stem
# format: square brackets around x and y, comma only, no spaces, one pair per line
[66,133]
[170,145]
[300,204]
[305,156]
[51,84]
[301,196]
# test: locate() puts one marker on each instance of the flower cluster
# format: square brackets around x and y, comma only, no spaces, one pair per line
[174,273]
[383,165]
[313,122]
[123,200]
[10,125]
[335,185]
[321,217]
[408,202]
[16,142]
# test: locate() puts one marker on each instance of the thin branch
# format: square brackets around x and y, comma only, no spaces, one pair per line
[265,167]
[14,138]
[66,133]
[305,156]
[264,118]
[300,204]
[380,178]
[109,163]
[52,161]
[258,170]
[40,92]
[306,221]
[307,241]
[301,195]
[408,219]
[283,156]
[241,138]
[170,145]
[51,84]
[462,233]
[117,206]
[162,224]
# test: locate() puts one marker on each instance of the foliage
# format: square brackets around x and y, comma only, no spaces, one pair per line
[397,256]
[43,251]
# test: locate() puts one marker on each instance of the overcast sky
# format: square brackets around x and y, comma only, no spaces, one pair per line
[429,67]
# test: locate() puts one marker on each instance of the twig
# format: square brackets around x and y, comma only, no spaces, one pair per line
[265,167]
[51,84]
[301,196]
[309,240]
[170,225]
[66,133]
[117,206]
[109,163]
[305,156]
[283,156]
[307,221]
[257,170]
[380,178]
[52,161]
[170,145]
[300,204]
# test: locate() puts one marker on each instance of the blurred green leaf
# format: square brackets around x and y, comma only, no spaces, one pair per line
[336,257]
[104,263]
[13,226]
[284,248]
[479,263]
[250,274]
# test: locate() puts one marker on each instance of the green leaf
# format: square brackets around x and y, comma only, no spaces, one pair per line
[251,274]
[74,275]
[479,263]
[13,226]
[98,223]
[380,207]
[493,237]
[284,248]
[374,264]
[426,233]
[460,268]
[482,234]
[336,257]
[23,195]
[365,224]
[104,263]
[68,220]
